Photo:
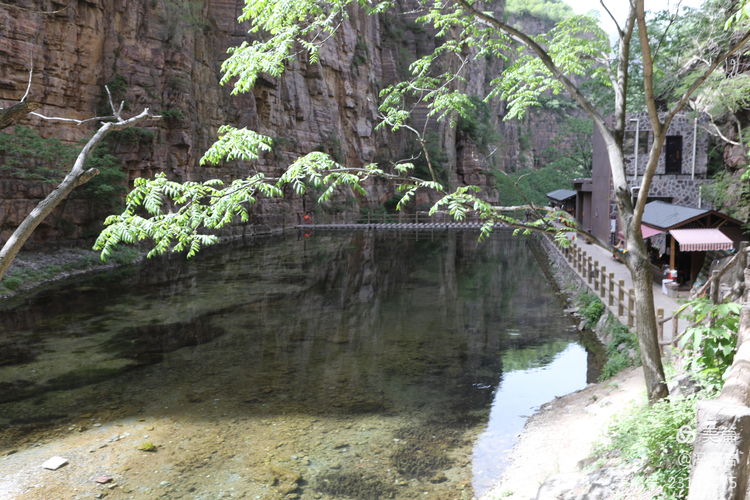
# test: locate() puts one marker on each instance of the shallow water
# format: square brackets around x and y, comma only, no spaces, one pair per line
[373,366]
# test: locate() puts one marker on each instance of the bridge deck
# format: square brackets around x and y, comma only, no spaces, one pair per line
[401,226]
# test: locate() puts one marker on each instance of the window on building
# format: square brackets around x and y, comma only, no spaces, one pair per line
[628,146]
[673,155]
[666,199]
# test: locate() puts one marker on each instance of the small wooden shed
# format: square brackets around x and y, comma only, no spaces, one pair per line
[564,199]
[683,235]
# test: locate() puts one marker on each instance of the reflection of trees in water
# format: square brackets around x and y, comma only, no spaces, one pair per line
[357,323]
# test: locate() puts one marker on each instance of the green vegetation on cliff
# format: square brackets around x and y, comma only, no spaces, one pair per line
[553,10]
[530,185]
[24,154]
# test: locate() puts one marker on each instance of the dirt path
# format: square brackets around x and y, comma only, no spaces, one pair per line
[563,433]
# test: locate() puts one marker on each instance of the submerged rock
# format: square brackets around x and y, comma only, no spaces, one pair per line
[422,450]
[286,481]
[353,485]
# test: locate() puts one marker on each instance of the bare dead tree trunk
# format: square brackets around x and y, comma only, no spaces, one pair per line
[76,177]
[721,457]
[12,115]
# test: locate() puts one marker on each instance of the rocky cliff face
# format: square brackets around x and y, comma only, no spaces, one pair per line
[166,54]
[535,140]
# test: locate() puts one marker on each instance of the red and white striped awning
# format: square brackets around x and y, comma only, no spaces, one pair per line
[701,240]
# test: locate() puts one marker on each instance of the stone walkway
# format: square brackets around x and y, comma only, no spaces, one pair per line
[620,271]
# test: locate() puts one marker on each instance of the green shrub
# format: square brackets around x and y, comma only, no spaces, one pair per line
[118,86]
[619,350]
[730,194]
[133,135]
[12,282]
[331,145]
[591,308]
[710,345]
[651,437]
[531,186]
[616,362]
[35,276]
[438,157]
[360,52]
[125,255]
[554,10]
[108,188]
[27,155]
[478,126]
[172,116]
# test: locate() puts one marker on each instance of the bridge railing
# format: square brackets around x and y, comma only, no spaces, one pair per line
[348,218]
[418,217]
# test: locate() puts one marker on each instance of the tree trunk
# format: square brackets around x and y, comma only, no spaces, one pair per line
[12,115]
[638,264]
[40,212]
[645,321]
[75,178]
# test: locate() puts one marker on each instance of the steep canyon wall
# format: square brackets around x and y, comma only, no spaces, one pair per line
[166,54]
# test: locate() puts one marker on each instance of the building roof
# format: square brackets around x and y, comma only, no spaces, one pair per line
[561,194]
[701,240]
[663,215]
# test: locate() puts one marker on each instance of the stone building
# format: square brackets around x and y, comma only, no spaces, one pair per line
[680,174]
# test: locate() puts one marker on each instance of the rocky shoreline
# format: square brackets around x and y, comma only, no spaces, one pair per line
[33,269]
[552,459]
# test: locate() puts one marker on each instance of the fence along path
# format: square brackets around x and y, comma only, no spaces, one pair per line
[611,281]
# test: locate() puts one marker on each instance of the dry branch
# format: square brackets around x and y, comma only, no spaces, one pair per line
[76,177]
[17,112]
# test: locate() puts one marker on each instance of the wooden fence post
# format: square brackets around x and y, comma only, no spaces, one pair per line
[631,306]
[675,328]
[589,269]
[660,328]
[621,298]
[583,263]
[603,282]
[611,298]
[595,277]
[715,287]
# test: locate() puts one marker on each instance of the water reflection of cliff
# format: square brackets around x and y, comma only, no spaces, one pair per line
[343,324]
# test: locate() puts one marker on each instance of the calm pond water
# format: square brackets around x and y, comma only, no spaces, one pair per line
[369,365]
